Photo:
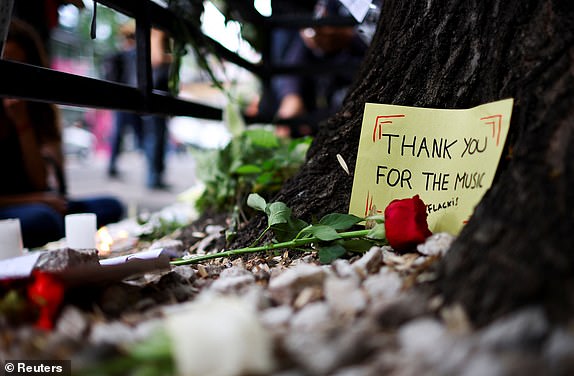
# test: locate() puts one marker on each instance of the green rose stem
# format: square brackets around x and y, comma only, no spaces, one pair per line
[266,248]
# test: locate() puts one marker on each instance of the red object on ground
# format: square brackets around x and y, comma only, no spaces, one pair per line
[406,223]
[47,292]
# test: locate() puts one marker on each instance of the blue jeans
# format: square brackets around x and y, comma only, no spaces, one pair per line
[123,120]
[155,144]
[41,224]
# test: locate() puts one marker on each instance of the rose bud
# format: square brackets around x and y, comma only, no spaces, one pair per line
[406,223]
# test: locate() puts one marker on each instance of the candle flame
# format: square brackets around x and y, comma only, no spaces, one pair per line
[104,241]
[123,234]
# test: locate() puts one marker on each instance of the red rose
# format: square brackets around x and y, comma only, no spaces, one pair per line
[406,223]
[47,293]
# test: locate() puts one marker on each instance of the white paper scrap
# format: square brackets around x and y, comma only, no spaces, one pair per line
[18,267]
[145,255]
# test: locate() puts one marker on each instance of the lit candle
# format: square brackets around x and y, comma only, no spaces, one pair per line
[10,238]
[81,231]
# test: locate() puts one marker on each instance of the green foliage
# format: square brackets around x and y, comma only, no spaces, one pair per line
[340,222]
[330,234]
[321,232]
[255,160]
[357,245]
[256,202]
[157,227]
[151,357]
[14,307]
[377,232]
[330,253]
[233,118]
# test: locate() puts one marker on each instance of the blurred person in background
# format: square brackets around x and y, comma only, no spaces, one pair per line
[31,157]
[281,42]
[120,67]
[313,98]
[151,131]
[155,129]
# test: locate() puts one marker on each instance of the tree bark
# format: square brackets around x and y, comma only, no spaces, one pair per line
[516,249]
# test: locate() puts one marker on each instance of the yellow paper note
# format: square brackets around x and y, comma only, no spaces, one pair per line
[447,157]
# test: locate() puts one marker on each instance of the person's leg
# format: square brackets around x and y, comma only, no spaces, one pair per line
[155,140]
[106,208]
[39,223]
[137,124]
[118,130]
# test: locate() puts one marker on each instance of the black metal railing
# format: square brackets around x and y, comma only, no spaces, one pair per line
[42,84]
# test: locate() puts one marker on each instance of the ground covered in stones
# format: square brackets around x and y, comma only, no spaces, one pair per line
[286,314]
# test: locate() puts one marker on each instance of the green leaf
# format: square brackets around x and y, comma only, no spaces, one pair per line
[357,245]
[277,212]
[262,138]
[377,232]
[268,164]
[331,253]
[157,346]
[265,178]
[285,232]
[378,218]
[340,222]
[300,144]
[233,119]
[248,169]
[256,202]
[322,232]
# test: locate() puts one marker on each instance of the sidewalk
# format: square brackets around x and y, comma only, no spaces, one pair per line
[88,177]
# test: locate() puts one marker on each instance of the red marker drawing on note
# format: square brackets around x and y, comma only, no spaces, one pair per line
[379,121]
[369,205]
[496,123]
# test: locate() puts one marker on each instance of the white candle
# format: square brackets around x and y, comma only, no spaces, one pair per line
[10,238]
[81,231]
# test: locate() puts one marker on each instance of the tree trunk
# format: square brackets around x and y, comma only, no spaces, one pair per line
[516,249]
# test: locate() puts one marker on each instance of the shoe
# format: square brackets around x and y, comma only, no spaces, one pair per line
[113,173]
[159,186]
